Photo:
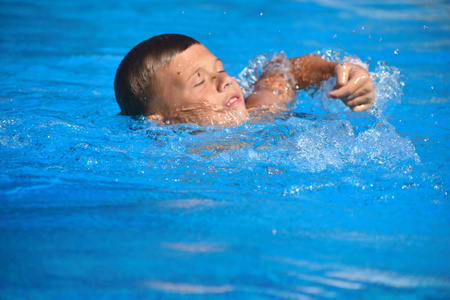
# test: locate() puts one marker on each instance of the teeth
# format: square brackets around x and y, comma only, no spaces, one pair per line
[232,100]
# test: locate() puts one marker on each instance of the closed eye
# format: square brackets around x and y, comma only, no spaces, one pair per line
[199,80]
[199,83]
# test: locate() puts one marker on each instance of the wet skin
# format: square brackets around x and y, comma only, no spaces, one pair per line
[196,89]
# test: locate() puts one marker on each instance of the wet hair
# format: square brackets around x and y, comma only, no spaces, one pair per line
[134,85]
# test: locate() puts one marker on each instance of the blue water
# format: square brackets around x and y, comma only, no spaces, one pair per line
[321,203]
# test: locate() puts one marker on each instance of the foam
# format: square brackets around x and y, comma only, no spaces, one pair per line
[336,137]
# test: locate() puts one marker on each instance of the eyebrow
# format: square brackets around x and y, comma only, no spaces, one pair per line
[197,70]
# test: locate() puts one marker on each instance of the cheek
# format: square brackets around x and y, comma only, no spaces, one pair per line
[206,97]
[180,102]
[238,87]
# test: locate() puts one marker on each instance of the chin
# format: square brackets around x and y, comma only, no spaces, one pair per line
[228,119]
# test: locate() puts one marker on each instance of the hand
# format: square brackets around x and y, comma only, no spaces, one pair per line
[353,87]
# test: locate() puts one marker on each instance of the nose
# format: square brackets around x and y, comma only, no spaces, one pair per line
[223,82]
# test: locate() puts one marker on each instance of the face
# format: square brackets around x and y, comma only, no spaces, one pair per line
[194,88]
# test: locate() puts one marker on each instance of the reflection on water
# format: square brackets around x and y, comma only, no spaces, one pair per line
[185,288]
[307,280]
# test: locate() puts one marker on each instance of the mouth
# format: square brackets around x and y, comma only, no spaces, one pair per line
[234,100]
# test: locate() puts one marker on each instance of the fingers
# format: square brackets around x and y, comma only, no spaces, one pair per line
[354,87]
[361,103]
[356,80]
[342,74]
[362,107]
[351,91]
[364,91]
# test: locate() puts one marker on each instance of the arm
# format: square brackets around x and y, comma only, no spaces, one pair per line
[353,85]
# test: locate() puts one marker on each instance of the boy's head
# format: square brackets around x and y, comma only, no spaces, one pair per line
[135,85]
[175,78]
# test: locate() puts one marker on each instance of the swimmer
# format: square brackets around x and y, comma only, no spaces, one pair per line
[173,78]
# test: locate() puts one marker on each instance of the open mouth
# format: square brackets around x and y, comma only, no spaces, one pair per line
[235,100]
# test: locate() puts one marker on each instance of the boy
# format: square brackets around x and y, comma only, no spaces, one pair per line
[175,79]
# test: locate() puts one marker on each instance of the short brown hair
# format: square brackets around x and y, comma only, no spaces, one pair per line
[134,84]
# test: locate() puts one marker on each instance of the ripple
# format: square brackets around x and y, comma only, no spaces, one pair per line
[195,247]
[389,279]
[187,288]
[189,203]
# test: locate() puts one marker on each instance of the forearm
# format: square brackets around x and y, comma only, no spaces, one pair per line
[310,70]
[277,85]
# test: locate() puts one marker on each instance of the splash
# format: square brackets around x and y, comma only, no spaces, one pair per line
[294,144]
[333,138]
[256,67]
[388,81]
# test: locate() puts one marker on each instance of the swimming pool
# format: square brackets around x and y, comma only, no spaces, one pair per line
[319,204]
